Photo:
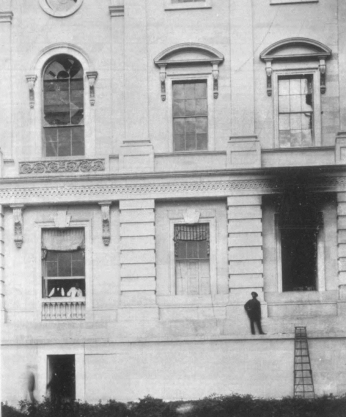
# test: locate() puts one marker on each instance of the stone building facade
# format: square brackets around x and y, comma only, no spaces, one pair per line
[160,160]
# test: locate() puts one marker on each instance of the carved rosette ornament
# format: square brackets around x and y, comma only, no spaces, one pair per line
[105,212]
[92,76]
[31,79]
[18,224]
[54,167]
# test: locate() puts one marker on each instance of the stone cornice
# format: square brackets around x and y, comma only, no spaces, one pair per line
[85,193]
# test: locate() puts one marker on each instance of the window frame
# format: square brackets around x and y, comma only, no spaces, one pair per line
[44,125]
[320,258]
[181,77]
[206,4]
[87,298]
[317,121]
[206,219]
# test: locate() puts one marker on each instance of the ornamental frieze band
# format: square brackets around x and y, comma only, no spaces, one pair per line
[53,167]
[271,185]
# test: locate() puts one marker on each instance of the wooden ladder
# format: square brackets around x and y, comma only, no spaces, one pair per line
[303,382]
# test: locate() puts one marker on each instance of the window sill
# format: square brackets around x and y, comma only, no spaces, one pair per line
[188,6]
[63,299]
[275,2]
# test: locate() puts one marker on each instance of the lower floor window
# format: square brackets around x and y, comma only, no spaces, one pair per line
[63,263]
[61,378]
[299,225]
[192,266]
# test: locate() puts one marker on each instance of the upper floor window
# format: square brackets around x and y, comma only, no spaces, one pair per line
[63,107]
[190,116]
[295,110]
[192,266]
[296,77]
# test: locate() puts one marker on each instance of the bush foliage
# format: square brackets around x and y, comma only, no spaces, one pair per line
[213,406]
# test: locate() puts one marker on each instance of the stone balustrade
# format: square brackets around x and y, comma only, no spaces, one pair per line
[63,309]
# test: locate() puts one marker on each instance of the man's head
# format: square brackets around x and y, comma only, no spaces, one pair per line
[76,285]
[254,294]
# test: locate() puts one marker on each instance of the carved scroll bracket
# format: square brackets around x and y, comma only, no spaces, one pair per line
[31,79]
[106,231]
[269,72]
[92,76]
[215,73]
[322,68]
[18,224]
[163,82]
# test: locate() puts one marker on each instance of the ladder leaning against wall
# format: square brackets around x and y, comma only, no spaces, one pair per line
[303,382]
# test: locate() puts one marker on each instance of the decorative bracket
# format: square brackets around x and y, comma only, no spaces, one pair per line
[163,82]
[269,72]
[31,79]
[105,211]
[92,76]
[215,72]
[18,224]
[322,68]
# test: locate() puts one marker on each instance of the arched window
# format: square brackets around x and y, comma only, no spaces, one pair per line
[63,107]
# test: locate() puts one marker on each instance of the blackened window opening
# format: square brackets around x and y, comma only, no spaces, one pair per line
[299,224]
[61,378]
[63,109]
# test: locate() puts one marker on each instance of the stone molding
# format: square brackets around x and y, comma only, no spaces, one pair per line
[6,17]
[47,8]
[7,195]
[53,167]
[116,11]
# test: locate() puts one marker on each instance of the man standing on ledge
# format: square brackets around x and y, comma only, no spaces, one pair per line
[253,310]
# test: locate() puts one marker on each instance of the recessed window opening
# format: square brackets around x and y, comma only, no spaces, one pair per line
[61,377]
[296,111]
[63,262]
[63,107]
[192,259]
[190,116]
[299,224]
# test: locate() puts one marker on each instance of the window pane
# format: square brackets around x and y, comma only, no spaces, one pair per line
[189,90]
[201,107]
[284,121]
[284,87]
[178,91]
[51,139]
[203,249]
[285,138]
[179,126]
[178,108]
[180,250]
[190,125]
[78,268]
[284,104]
[179,142]
[201,90]
[52,269]
[202,141]
[190,107]
[64,142]
[306,138]
[190,141]
[64,264]
[192,249]
[295,121]
[202,125]
[77,140]
[296,138]
[295,103]
[294,86]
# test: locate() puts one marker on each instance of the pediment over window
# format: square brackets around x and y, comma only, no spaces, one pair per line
[296,48]
[187,54]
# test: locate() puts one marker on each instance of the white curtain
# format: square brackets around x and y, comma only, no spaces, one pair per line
[62,239]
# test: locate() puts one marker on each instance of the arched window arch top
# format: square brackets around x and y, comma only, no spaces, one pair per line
[189,53]
[63,107]
[296,49]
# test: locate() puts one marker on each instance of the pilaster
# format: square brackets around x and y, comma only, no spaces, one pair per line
[6,83]
[242,71]
[2,266]
[137,260]
[341,224]
[245,246]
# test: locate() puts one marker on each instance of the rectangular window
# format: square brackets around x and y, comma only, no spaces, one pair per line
[296,115]
[190,116]
[61,382]
[192,265]
[299,226]
[63,263]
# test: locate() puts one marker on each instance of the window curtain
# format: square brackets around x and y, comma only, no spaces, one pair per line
[194,232]
[62,239]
